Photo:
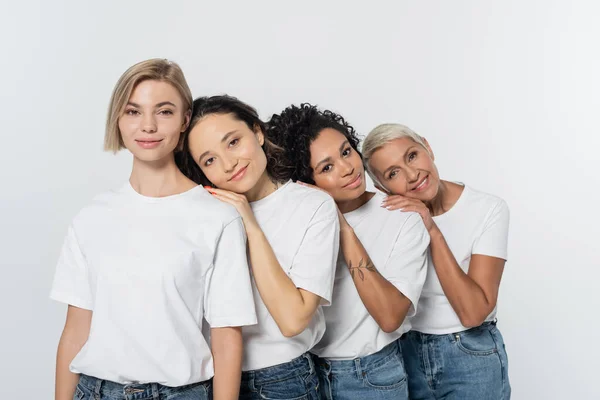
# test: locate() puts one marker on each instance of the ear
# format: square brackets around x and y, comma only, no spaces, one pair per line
[186,120]
[429,149]
[260,136]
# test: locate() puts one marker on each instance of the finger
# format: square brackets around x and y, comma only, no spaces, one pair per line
[396,203]
[225,193]
[424,213]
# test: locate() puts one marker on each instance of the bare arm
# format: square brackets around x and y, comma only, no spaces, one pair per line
[473,296]
[74,336]
[291,308]
[226,344]
[385,303]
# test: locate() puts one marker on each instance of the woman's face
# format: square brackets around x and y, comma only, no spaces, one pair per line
[228,152]
[404,167]
[152,120]
[337,167]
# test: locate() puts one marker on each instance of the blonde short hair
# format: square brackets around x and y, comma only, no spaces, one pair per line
[155,69]
[382,135]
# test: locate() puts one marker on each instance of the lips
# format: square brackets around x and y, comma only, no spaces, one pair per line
[354,183]
[148,143]
[239,174]
[422,185]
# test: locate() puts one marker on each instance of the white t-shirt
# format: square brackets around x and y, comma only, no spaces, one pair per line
[476,224]
[302,226]
[151,269]
[397,245]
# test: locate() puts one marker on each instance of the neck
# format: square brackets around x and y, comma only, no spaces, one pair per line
[354,204]
[158,178]
[447,195]
[264,187]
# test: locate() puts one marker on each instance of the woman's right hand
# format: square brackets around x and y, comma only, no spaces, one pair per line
[240,202]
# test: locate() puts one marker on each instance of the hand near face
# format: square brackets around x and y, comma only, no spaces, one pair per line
[398,202]
[240,202]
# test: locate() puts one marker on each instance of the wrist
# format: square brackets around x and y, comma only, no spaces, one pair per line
[435,233]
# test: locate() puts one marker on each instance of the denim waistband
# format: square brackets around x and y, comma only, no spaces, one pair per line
[132,391]
[298,366]
[361,363]
[433,336]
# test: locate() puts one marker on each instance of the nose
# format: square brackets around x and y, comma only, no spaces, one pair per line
[412,174]
[346,168]
[149,123]
[229,164]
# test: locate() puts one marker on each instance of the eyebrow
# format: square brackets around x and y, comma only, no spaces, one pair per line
[164,103]
[227,136]
[328,159]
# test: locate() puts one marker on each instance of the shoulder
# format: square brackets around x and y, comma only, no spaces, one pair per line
[485,203]
[201,204]
[310,201]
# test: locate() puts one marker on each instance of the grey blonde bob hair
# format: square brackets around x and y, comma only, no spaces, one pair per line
[382,135]
[156,69]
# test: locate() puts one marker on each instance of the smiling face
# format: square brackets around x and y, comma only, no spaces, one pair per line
[337,167]
[404,167]
[228,152]
[152,120]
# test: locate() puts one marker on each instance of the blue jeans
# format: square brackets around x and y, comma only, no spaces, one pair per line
[294,380]
[378,376]
[90,388]
[468,365]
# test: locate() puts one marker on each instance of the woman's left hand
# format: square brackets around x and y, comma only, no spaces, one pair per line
[398,202]
[240,202]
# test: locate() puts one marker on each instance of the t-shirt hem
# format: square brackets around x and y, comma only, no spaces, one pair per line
[323,293]
[70,300]
[231,323]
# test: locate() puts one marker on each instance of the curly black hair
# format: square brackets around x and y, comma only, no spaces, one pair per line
[224,104]
[295,128]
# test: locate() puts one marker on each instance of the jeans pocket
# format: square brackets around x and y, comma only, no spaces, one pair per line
[79,393]
[293,388]
[476,342]
[389,375]
[199,391]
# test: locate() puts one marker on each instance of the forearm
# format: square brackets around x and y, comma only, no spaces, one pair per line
[384,302]
[279,293]
[66,381]
[227,349]
[466,297]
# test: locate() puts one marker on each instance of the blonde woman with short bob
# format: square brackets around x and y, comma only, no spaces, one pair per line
[142,265]
[454,329]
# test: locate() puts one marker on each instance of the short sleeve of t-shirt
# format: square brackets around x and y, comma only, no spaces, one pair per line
[229,300]
[71,284]
[493,240]
[313,268]
[406,267]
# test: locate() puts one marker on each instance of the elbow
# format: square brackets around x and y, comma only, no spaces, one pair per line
[472,319]
[390,325]
[290,329]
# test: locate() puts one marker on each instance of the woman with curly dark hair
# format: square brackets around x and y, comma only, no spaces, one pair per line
[293,241]
[380,276]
